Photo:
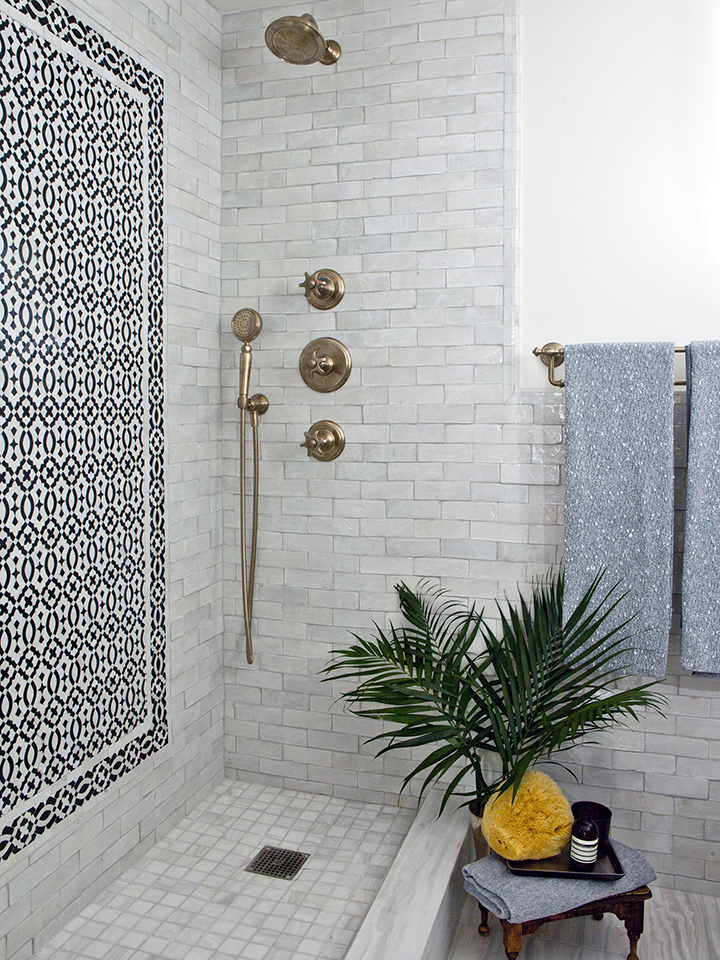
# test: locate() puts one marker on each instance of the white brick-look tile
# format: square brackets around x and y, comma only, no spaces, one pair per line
[390,169]
[398,168]
[45,885]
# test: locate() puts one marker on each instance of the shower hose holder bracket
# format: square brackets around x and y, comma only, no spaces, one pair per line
[257,403]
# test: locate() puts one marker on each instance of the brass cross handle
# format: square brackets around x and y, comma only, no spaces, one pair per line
[310,442]
[321,365]
[324,289]
[309,283]
[324,440]
[321,285]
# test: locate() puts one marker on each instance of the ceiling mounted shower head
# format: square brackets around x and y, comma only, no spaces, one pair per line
[298,40]
[246,324]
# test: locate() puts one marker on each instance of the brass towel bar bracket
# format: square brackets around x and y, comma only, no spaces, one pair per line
[553,356]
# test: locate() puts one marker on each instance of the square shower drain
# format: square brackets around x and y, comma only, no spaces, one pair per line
[274,862]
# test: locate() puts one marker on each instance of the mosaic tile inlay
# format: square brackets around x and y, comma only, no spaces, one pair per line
[82,634]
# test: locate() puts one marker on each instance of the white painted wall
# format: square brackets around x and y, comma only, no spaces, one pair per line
[620,172]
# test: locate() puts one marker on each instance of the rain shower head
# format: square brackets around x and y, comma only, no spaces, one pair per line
[298,40]
[246,324]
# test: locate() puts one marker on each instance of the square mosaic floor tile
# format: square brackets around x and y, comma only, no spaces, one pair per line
[190,897]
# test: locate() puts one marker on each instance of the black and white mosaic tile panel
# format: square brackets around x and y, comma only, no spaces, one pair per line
[82,635]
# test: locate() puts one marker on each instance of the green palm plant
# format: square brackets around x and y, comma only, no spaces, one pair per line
[534,690]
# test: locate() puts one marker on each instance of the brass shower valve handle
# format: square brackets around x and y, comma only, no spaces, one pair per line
[324,289]
[324,440]
[321,366]
[319,284]
[310,442]
[325,364]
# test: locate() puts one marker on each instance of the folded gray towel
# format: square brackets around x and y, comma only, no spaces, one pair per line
[701,561]
[619,487]
[517,898]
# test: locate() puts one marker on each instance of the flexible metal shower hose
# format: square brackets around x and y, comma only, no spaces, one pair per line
[248,583]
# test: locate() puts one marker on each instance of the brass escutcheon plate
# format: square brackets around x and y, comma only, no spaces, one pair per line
[325,364]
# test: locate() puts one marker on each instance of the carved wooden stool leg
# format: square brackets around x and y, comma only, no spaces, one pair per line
[633,946]
[628,907]
[634,924]
[512,939]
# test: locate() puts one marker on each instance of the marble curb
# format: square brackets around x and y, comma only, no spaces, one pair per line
[417,909]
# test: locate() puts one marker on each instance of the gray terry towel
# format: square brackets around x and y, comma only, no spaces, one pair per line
[516,898]
[619,487]
[701,561]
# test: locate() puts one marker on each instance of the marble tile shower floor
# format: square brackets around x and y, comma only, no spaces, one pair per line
[678,926]
[190,898]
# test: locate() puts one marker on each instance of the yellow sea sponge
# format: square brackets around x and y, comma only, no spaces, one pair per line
[535,826]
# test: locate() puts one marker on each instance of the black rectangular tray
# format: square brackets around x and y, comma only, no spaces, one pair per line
[609,868]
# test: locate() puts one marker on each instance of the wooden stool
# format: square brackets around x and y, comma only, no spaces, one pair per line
[629,907]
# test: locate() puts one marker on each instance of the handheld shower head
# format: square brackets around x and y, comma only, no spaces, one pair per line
[246,324]
[298,40]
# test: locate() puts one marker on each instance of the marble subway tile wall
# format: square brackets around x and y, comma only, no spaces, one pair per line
[396,167]
[44,885]
[389,168]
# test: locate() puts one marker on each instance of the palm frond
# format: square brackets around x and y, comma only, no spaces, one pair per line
[538,685]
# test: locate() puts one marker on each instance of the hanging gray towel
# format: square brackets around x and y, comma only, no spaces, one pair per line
[701,560]
[619,487]
[516,898]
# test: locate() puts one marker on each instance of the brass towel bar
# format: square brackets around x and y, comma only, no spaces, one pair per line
[553,356]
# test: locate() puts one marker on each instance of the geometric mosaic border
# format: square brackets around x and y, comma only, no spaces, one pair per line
[32,822]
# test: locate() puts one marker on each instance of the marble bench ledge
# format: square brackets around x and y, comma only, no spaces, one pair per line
[417,909]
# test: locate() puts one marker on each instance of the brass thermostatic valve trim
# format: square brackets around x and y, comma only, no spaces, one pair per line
[325,364]
[324,440]
[324,289]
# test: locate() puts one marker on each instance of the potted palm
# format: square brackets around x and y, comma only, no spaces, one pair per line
[485,705]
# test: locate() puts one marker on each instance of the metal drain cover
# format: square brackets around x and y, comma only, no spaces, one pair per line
[274,862]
